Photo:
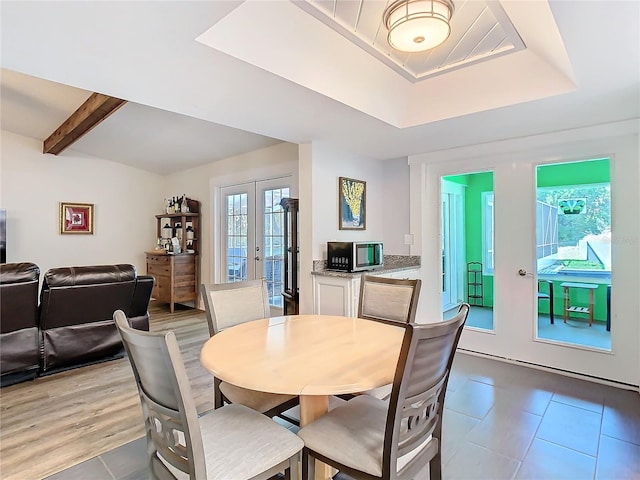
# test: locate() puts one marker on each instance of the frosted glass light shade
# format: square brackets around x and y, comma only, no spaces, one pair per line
[418,25]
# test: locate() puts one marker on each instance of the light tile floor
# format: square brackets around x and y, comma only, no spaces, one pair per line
[501,421]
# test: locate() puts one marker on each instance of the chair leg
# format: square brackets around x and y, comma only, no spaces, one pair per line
[308,465]
[435,467]
[217,394]
[292,471]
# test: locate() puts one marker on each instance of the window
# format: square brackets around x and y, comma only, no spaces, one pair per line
[575,232]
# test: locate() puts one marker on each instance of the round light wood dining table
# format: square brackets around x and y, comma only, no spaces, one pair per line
[313,356]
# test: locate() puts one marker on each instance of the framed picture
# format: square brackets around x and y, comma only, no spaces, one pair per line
[76,218]
[352,198]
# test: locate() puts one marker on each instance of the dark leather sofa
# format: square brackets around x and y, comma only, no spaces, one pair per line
[19,344]
[74,321]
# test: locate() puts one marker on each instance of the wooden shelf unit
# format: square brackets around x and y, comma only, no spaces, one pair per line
[176,274]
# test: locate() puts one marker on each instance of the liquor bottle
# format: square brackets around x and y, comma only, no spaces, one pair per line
[185,205]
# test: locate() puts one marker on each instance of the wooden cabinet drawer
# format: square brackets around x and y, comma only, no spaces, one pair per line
[158,259]
[161,270]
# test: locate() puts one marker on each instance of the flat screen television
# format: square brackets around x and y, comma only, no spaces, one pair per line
[3,235]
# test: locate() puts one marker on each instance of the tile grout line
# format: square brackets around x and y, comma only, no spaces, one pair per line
[107,467]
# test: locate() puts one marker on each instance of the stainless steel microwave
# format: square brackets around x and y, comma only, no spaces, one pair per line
[354,256]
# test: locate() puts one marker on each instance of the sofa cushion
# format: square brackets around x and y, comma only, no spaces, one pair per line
[88,275]
[19,345]
[19,272]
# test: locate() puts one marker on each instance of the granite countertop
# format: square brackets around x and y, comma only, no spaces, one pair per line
[392,263]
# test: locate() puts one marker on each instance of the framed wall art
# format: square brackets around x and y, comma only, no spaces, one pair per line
[76,218]
[352,198]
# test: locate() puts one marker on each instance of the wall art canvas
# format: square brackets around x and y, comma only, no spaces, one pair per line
[76,218]
[352,198]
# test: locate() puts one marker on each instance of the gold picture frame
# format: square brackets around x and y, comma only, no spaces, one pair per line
[76,218]
[352,201]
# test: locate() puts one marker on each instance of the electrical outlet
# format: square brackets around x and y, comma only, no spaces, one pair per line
[408,238]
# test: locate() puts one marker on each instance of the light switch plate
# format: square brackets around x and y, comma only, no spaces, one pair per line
[408,238]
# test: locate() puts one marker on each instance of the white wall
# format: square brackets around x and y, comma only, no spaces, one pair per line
[387,205]
[32,185]
[203,184]
[395,206]
[387,199]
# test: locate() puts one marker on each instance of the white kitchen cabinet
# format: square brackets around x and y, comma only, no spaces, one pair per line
[338,295]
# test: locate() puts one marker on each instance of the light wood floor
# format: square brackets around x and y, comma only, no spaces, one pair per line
[54,422]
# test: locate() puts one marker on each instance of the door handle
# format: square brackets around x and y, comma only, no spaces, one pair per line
[523,273]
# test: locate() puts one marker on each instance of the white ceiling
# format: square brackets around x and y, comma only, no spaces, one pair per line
[480,30]
[243,85]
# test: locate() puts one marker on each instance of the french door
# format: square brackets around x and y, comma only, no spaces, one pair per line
[521,242]
[251,234]
[453,255]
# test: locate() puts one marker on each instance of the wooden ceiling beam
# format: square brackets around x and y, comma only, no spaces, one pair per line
[93,111]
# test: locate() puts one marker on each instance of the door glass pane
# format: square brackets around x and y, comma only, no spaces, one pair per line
[273,235]
[237,233]
[447,293]
[573,253]
[468,250]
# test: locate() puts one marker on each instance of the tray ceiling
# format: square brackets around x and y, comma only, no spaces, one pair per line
[338,48]
[479,31]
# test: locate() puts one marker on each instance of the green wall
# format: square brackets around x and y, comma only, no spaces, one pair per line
[575,173]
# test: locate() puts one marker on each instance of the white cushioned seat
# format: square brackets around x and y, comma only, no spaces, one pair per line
[352,435]
[234,434]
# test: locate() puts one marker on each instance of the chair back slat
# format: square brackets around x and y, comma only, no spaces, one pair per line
[173,431]
[229,304]
[419,418]
[419,387]
[388,299]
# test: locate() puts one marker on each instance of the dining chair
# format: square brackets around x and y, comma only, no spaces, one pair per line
[388,300]
[231,442]
[229,304]
[369,438]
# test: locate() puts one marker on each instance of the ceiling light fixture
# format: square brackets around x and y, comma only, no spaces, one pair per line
[418,25]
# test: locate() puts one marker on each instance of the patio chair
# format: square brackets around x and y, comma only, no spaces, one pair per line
[548,295]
